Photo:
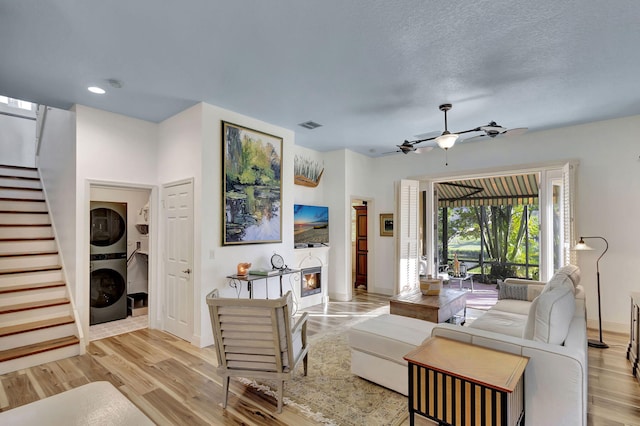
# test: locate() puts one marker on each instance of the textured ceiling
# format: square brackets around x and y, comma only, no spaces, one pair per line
[372,72]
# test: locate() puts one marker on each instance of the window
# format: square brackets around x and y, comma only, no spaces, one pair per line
[16,103]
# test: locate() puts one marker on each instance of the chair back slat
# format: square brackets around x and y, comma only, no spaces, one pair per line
[257,366]
[250,349]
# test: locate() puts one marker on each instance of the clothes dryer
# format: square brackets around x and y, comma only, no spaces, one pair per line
[108,227]
[108,293]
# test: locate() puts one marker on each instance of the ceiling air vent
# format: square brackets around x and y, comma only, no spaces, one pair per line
[310,125]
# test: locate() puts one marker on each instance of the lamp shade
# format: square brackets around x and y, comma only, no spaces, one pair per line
[446,140]
[582,246]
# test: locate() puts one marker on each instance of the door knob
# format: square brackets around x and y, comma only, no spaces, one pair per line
[188,271]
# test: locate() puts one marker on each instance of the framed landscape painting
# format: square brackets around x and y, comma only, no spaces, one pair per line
[252,186]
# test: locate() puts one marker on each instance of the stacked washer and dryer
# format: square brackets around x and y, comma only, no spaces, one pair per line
[108,251]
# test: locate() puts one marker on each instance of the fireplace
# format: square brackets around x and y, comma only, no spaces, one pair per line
[311,282]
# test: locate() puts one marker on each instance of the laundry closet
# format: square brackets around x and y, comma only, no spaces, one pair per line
[119,259]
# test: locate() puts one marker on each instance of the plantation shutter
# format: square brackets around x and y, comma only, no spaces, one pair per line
[568,205]
[406,227]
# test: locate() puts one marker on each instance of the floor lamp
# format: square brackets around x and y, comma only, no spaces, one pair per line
[583,246]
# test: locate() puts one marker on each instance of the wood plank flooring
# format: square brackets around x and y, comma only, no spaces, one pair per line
[175,383]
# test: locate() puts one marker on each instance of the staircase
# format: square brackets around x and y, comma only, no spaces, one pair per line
[37,321]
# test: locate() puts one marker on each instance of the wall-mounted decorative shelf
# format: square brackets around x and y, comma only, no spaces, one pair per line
[307,172]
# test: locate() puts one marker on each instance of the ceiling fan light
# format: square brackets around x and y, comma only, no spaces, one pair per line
[446,140]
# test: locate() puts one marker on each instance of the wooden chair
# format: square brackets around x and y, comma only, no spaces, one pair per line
[255,338]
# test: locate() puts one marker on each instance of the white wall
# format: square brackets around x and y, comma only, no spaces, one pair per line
[180,157]
[17,138]
[57,165]
[338,200]
[188,145]
[112,150]
[608,181]
[191,146]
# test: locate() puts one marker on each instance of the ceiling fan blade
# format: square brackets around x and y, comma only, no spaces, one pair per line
[423,150]
[517,131]
[428,135]
[474,138]
[493,129]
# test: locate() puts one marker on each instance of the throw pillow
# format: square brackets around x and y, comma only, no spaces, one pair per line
[519,291]
[554,311]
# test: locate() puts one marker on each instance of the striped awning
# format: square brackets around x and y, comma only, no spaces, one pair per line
[493,191]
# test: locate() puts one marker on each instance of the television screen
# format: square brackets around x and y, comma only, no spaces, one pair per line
[311,225]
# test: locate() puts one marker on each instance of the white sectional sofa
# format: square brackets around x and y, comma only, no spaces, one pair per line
[545,322]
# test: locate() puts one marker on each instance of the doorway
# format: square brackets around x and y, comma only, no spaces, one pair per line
[546,175]
[118,259]
[360,246]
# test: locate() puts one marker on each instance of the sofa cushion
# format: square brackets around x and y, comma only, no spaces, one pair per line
[571,271]
[389,336]
[551,313]
[514,306]
[519,291]
[559,280]
[502,322]
[568,275]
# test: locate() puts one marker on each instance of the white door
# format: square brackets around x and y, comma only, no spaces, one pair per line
[178,259]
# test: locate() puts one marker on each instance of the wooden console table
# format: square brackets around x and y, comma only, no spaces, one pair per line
[250,279]
[456,383]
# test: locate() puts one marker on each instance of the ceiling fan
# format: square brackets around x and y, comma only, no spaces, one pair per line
[447,139]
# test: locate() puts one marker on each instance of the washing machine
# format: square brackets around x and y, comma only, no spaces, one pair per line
[108,291]
[108,227]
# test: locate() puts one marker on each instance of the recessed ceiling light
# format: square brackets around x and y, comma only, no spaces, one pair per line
[97,90]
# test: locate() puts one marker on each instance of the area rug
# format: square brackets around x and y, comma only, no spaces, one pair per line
[331,395]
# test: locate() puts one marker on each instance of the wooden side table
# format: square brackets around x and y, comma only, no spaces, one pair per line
[456,383]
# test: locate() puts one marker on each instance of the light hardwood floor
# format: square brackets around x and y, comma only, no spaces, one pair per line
[174,382]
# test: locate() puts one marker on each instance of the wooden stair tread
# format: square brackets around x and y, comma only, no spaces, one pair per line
[24,225]
[28,287]
[30,200]
[24,211]
[35,325]
[11,166]
[37,348]
[33,305]
[30,269]
[2,176]
[19,188]
[30,253]
[12,240]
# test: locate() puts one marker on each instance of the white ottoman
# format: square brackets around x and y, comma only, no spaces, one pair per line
[378,345]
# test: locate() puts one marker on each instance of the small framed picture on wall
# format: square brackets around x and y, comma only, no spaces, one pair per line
[386,224]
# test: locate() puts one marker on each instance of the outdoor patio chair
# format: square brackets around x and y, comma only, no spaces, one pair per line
[257,338]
